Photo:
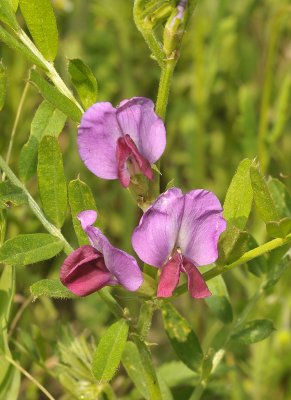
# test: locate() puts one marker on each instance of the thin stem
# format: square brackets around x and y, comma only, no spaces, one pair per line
[248,256]
[164,88]
[198,391]
[49,69]
[34,206]
[16,122]
[30,377]
[18,315]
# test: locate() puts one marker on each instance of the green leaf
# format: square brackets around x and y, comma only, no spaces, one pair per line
[182,337]
[84,81]
[51,288]
[11,195]
[232,244]
[30,248]
[135,369]
[51,180]
[280,196]
[262,197]
[149,371]
[14,44]
[175,373]
[279,261]
[279,229]
[219,301]
[53,96]
[109,351]
[3,85]
[253,331]
[15,4]
[80,198]
[46,121]
[239,197]
[41,22]
[7,15]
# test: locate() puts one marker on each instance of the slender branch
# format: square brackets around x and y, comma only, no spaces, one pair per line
[164,88]
[18,315]
[30,377]
[35,207]
[16,122]
[248,256]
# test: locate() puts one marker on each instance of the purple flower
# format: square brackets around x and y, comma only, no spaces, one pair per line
[121,142]
[178,233]
[89,268]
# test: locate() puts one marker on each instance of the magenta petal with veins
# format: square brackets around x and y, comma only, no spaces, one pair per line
[116,143]
[179,233]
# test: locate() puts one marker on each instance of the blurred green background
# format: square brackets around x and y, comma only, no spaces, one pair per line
[230,99]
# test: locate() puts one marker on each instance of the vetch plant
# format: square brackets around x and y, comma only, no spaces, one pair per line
[122,302]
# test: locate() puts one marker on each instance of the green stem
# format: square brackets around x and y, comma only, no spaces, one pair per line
[164,88]
[249,255]
[48,68]
[30,377]
[16,122]
[198,391]
[34,206]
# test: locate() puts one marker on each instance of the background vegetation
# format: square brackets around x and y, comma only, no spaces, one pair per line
[230,100]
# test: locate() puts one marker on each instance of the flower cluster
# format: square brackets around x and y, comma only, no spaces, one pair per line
[177,233]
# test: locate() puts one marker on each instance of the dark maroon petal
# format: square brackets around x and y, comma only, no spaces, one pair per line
[130,161]
[169,278]
[196,284]
[84,272]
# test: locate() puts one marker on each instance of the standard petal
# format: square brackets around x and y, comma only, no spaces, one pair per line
[138,119]
[97,137]
[123,266]
[196,284]
[201,227]
[87,218]
[84,272]
[169,278]
[155,237]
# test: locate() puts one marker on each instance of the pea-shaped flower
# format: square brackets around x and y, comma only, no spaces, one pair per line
[89,268]
[179,233]
[117,143]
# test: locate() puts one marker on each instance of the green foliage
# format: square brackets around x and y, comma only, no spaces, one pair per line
[11,195]
[41,22]
[80,199]
[51,288]
[51,180]
[219,301]
[30,248]
[136,371]
[182,337]
[47,121]
[239,197]
[253,331]
[53,96]
[84,81]
[3,85]
[108,353]
[232,245]
[7,15]
[262,197]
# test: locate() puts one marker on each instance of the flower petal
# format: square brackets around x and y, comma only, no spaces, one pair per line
[155,237]
[169,278]
[138,119]
[201,227]
[196,284]
[121,265]
[97,137]
[83,271]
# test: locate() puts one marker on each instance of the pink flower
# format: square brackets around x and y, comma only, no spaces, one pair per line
[117,143]
[179,233]
[89,268]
